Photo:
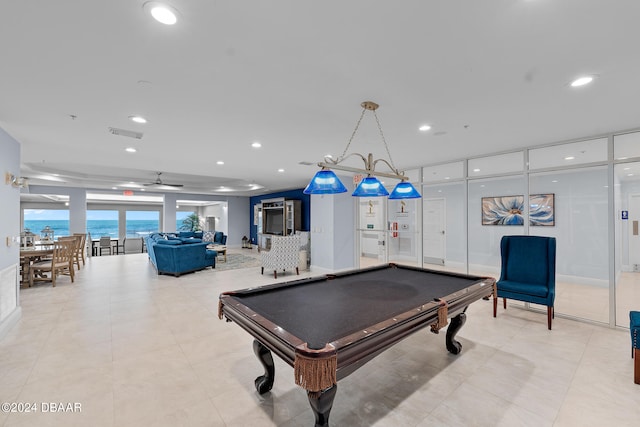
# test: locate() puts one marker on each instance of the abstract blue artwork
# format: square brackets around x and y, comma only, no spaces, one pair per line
[503,210]
[541,209]
[509,210]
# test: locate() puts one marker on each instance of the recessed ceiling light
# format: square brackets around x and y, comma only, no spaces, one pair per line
[629,174]
[447,177]
[624,169]
[569,158]
[130,149]
[256,145]
[162,13]
[138,119]
[581,81]
[424,128]
[114,188]
[143,189]
[476,170]
[219,162]
[281,170]
[555,180]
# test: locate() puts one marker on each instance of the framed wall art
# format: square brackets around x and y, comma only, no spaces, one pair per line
[542,210]
[509,210]
[503,210]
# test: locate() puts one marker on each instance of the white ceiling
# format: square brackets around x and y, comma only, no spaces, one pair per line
[488,76]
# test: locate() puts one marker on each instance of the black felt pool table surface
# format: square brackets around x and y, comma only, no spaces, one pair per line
[323,310]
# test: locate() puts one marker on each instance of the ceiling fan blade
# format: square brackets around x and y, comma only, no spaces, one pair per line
[158,182]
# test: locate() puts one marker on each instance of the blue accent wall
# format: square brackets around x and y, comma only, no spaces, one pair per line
[305,206]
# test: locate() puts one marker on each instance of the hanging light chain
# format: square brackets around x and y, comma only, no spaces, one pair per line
[385,142]
[344,153]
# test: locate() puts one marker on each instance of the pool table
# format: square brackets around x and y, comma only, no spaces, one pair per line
[327,327]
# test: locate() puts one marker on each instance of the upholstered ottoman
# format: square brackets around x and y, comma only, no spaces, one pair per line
[634,327]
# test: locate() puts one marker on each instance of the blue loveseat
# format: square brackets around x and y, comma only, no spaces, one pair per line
[180,253]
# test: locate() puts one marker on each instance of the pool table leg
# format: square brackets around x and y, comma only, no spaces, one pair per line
[264,383]
[321,403]
[454,346]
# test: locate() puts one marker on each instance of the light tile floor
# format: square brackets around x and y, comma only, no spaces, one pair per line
[137,349]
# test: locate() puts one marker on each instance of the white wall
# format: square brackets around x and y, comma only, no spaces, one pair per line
[239,220]
[333,229]
[9,227]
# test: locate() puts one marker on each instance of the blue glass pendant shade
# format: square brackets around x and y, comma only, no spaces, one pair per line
[325,182]
[370,187]
[404,190]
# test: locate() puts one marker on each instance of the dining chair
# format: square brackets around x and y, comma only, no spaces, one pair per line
[61,262]
[105,245]
[120,245]
[81,247]
[75,240]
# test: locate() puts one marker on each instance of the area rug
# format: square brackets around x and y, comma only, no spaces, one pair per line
[235,261]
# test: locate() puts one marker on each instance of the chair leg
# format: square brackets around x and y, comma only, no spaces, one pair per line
[504,302]
[636,367]
[275,274]
[549,316]
[297,272]
[495,305]
[261,270]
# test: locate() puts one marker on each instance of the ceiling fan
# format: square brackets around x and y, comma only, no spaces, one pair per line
[158,182]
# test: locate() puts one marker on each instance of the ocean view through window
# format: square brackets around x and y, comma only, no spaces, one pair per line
[36,220]
[142,223]
[99,222]
[102,223]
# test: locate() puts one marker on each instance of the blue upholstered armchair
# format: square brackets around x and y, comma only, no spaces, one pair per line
[528,272]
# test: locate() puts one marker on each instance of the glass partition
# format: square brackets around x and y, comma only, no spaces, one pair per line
[448,171]
[496,165]
[372,231]
[444,239]
[580,226]
[403,243]
[496,208]
[627,226]
[626,146]
[568,155]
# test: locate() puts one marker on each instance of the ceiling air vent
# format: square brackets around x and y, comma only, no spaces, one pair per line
[127,133]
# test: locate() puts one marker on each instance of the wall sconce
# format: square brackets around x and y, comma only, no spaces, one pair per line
[15,181]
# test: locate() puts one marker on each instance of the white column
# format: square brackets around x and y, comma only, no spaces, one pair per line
[169,213]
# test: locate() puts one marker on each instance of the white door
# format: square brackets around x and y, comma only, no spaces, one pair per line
[434,238]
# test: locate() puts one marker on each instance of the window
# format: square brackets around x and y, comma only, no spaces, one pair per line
[142,223]
[37,219]
[180,217]
[102,223]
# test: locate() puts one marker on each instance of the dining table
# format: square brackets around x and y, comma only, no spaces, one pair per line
[29,255]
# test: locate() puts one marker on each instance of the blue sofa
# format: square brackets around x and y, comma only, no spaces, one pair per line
[215,237]
[180,253]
